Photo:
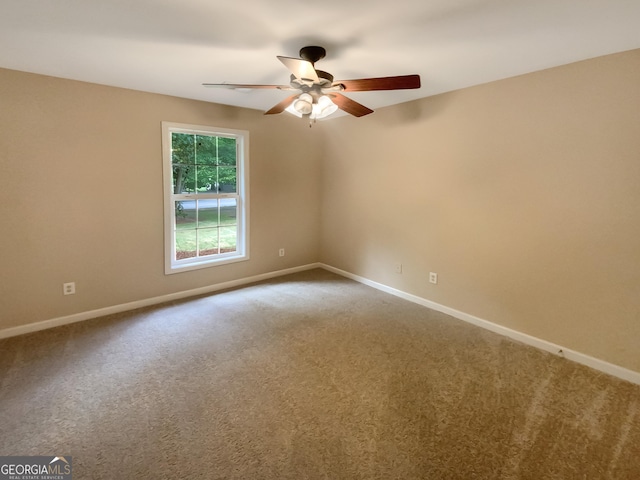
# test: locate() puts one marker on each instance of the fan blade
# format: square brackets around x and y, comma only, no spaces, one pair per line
[401,82]
[350,106]
[279,108]
[234,86]
[301,69]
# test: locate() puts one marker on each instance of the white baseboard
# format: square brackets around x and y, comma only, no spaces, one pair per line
[101,312]
[597,364]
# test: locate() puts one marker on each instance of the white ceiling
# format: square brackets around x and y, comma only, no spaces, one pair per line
[173,46]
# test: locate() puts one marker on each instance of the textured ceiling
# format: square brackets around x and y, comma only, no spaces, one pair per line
[172,47]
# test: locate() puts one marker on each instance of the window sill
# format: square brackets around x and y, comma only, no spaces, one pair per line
[197,265]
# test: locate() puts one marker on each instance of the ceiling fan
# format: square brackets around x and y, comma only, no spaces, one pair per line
[318,96]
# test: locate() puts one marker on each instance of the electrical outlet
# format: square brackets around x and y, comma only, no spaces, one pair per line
[433,277]
[281,252]
[398,268]
[69,288]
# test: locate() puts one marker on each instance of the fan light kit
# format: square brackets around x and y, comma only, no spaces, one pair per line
[305,105]
[319,96]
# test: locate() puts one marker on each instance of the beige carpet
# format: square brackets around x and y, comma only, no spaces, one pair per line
[310,376]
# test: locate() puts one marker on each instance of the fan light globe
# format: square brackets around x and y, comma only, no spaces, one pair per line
[304,104]
[324,107]
[293,111]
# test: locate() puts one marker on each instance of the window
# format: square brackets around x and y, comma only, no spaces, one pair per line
[206,203]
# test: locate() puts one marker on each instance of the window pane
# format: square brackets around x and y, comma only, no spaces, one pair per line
[184,178]
[208,241]
[227,179]
[182,148]
[226,151]
[185,244]
[185,214]
[206,150]
[228,211]
[207,213]
[206,178]
[228,239]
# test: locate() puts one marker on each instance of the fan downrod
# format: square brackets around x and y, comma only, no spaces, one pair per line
[312,54]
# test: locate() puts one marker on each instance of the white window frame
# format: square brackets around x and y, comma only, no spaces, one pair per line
[242,196]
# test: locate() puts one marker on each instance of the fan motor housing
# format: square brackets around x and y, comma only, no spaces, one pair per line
[326,80]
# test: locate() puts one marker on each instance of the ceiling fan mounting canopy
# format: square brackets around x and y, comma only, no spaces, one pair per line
[319,95]
[312,53]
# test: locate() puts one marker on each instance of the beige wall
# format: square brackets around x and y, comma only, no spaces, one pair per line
[82,200]
[523,195]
